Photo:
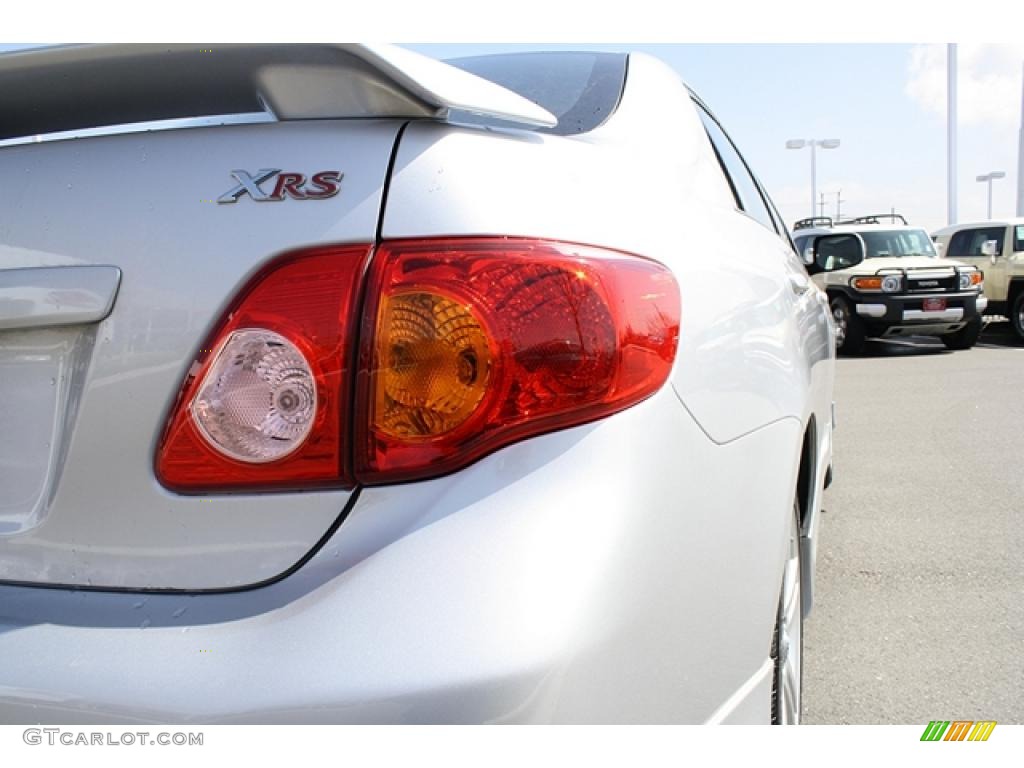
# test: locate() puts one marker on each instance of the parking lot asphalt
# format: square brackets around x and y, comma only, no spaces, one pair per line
[919,605]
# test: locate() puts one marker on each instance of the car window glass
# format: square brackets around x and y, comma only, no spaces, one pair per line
[581,89]
[897,242]
[1018,238]
[957,243]
[780,225]
[968,242]
[748,197]
[838,252]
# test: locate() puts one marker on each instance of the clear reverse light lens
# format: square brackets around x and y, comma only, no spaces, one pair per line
[258,400]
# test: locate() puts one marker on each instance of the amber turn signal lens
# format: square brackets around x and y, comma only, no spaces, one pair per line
[471,344]
[976,278]
[435,365]
[867,283]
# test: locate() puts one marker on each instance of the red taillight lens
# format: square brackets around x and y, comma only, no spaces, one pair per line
[466,346]
[471,344]
[265,404]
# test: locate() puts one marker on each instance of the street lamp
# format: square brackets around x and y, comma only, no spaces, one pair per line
[989,178]
[824,144]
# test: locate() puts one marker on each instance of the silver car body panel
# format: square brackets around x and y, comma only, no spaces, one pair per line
[627,570]
[530,587]
[145,203]
[43,297]
[740,308]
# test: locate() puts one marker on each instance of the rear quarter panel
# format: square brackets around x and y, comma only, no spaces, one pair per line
[752,350]
[755,350]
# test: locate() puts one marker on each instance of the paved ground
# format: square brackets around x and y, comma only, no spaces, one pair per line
[919,613]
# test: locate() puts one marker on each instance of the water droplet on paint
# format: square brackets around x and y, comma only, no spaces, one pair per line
[145,623]
[179,612]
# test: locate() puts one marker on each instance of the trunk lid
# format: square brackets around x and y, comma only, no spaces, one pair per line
[84,394]
[117,256]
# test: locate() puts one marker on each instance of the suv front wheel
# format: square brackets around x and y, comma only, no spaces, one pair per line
[850,333]
[966,337]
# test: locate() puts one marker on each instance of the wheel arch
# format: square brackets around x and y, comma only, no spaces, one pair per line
[1015,288]
[808,470]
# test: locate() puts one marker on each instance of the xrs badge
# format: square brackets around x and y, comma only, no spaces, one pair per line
[320,186]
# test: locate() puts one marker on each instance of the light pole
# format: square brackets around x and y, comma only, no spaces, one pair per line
[989,177]
[1020,161]
[951,133]
[813,143]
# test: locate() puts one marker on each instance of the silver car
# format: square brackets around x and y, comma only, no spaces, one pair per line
[340,384]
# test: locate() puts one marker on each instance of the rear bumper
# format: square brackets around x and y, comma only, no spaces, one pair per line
[570,578]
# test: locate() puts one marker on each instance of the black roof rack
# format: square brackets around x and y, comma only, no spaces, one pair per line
[874,219]
[813,221]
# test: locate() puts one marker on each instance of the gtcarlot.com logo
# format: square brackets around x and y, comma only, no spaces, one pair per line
[958,730]
[54,736]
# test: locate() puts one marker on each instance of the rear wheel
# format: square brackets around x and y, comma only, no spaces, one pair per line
[850,334]
[1017,314]
[966,337]
[788,640]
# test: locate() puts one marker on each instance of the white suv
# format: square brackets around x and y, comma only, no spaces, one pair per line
[888,280]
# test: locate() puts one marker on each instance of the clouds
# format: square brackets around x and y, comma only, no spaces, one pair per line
[988,82]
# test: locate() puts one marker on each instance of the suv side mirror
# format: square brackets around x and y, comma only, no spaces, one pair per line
[832,252]
[808,256]
[990,248]
[939,247]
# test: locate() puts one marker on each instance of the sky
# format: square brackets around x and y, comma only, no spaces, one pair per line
[886,103]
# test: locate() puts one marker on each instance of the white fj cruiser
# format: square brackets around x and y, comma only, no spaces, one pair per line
[886,279]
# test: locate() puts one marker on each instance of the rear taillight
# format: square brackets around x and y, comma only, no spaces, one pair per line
[471,344]
[466,345]
[265,404]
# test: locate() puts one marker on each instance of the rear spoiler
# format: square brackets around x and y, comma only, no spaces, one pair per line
[75,87]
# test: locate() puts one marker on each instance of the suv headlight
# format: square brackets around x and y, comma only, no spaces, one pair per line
[876,283]
[970,278]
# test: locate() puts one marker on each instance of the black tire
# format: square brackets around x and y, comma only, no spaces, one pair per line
[1017,314]
[966,337]
[850,332]
[779,716]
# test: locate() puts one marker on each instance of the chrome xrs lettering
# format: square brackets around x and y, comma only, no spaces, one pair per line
[320,186]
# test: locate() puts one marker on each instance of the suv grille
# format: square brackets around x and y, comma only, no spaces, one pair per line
[932,281]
